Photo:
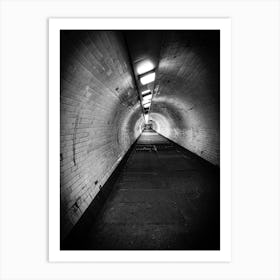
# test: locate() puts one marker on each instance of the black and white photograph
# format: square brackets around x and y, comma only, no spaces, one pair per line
[140,139]
[140,131]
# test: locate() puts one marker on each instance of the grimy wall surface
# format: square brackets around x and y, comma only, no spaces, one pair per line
[185,106]
[100,116]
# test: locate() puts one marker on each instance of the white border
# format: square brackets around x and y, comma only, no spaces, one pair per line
[55,25]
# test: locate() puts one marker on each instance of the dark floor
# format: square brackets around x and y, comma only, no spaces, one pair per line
[164,198]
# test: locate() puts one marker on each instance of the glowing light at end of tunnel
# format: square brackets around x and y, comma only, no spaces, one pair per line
[144,66]
[146,116]
[148,78]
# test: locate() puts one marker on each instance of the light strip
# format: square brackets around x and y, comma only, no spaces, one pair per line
[146,79]
[145,91]
[147,97]
[146,116]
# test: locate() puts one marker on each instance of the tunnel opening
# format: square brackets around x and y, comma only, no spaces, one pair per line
[139,140]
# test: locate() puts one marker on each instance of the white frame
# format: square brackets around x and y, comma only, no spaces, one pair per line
[55,25]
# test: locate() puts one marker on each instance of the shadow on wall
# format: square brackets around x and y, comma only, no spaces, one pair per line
[100,116]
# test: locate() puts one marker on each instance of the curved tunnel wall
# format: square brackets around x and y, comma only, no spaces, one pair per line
[185,106]
[101,116]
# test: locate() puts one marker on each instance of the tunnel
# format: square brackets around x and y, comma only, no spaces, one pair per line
[140,140]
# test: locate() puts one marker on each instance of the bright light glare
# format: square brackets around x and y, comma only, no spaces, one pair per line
[147,98]
[146,102]
[146,118]
[148,78]
[147,105]
[144,66]
[145,91]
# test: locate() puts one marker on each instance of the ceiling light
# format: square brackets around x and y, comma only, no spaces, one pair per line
[145,91]
[147,97]
[146,79]
[146,116]
[144,66]
[146,102]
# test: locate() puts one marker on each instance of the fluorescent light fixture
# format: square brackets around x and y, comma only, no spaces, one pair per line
[146,116]
[146,79]
[147,98]
[145,91]
[148,102]
[144,66]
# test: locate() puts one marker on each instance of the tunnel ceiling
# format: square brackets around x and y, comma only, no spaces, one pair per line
[186,92]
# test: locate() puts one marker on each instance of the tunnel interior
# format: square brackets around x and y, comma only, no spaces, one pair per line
[139,118]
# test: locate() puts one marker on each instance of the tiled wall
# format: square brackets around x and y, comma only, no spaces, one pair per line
[100,116]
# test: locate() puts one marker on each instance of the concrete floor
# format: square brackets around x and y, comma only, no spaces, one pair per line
[164,198]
